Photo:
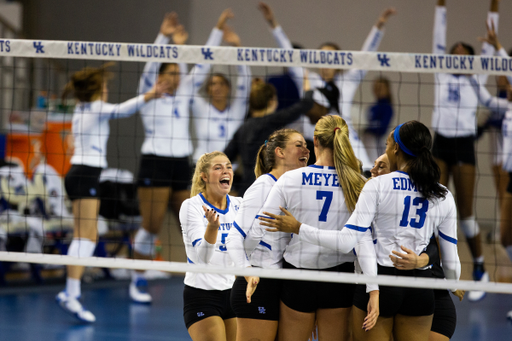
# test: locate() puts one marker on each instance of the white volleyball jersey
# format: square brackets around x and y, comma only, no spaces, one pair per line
[399,216]
[500,106]
[455,102]
[314,197]
[507,140]
[91,129]
[347,83]
[199,251]
[166,120]
[214,128]
[246,248]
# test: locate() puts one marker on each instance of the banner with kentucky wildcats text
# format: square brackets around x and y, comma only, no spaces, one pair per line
[378,61]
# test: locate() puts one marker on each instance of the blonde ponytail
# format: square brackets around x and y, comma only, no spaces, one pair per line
[332,132]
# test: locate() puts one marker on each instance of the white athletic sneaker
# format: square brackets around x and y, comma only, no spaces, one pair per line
[474,296]
[139,292]
[74,307]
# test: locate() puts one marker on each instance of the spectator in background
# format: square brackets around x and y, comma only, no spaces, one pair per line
[379,117]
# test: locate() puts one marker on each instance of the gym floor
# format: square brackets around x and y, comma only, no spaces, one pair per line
[30,313]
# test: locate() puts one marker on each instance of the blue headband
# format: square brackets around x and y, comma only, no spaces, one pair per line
[396,136]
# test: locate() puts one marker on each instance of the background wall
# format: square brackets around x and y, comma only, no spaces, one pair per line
[307,22]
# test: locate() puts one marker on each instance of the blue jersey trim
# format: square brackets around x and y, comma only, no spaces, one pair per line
[268,246]
[321,167]
[263,216]
[188,260]
[445,237]
[273,177]
[215,208]
[357,228]
[402,172]
[239,229]
[196,241]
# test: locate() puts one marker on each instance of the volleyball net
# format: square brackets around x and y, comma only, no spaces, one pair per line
[38,144]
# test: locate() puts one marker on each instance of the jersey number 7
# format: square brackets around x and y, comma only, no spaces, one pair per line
[421,212]
[327,203]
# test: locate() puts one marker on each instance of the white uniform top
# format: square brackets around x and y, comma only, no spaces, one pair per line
[455,101]
[199,251]
[313,195]
[347,83]
[91,129]
[268,250]
[502,107]
[399,216]
[167,119]
[214,128]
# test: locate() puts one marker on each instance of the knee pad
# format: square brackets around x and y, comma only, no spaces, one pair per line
[81,248]
[144,242]
[470,227]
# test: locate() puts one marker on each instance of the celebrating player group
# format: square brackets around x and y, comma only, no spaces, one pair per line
[309,196]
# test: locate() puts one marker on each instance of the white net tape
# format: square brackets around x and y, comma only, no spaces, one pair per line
[375,61]
[291,274]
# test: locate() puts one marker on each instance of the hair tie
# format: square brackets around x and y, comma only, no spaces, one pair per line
[337,128]
[396,136]
[266,142]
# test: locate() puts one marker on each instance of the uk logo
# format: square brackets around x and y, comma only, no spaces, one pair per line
[39,47]
[200,314]
[383,59]
[207,53]
[262,310]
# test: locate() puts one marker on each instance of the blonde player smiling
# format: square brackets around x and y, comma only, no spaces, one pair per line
[206,219]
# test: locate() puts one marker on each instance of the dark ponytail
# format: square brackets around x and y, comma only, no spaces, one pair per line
[266,157]
[416,143]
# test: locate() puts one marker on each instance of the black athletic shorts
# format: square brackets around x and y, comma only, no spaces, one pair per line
[509,187]
[264,302]
[307,296]
[83,182]
[445,316]
[199,304]
[398,300]
[159,171]
[454,150]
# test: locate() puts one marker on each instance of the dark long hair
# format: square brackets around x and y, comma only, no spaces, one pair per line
[423,169]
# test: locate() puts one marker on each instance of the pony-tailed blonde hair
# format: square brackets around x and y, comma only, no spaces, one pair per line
[203,164]
[332,132]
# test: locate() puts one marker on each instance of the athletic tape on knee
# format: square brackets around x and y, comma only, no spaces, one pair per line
[144,242]
[470,227]
[81,248]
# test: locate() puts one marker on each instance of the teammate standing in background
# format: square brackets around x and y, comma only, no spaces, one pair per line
[323,194]
[165,169]
[395,205]
[217,117]
[342,86]
[206,219]
[454,123]
[257,311]
[503,107]
[90,127]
